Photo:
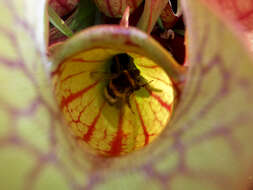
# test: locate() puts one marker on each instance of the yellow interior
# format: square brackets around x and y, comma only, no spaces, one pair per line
[111,130]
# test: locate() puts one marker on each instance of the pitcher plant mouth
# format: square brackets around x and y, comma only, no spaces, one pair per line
[207,143]
[80,86]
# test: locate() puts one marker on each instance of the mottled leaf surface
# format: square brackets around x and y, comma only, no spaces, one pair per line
[206,146]
[239,11]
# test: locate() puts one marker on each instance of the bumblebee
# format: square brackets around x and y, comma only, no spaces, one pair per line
[124,80]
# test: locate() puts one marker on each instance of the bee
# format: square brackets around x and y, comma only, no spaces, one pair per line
[124,80]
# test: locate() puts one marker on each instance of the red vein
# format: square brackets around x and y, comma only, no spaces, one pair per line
[150,16]
[58,70]
[246,15]
[145,131]
[92,126]
[161,102]
[120,7]
[82,111]
[66,101]
[155,114]
[116,144]
[109,8]
[73,75]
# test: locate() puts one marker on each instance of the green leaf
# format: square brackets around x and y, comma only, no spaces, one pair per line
[58,22]
[84,16]
[160,23]
[179,32]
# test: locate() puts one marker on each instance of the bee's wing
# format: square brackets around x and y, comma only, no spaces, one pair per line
[147,85]
[100,75]
[153,88]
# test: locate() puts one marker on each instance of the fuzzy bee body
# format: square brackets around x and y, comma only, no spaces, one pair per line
[127,80]
[123,80]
